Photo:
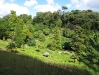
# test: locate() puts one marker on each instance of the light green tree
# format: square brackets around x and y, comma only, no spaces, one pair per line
[19,38]
[16,28]
[13,20]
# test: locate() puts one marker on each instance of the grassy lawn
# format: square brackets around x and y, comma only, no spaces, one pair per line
[3,44]
[55,56]
[17,64]
[28,61]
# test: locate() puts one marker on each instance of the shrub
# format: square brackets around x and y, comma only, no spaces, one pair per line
[42,37]
[50,46]
[10,46]
[31,41]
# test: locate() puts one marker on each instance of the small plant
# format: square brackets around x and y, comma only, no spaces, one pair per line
[37,48]
[74,57]
[50,46]
[10,46]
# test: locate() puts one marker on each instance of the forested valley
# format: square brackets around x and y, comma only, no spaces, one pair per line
[70,37]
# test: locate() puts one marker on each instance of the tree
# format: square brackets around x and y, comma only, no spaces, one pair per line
[47,19]
[78,40]
[63,18]
[56,41]
[16,27]
[90,55]
[4,29]
[64,8]
[31,41]
[26,18]
[13,20]
[57,19]
[19,39]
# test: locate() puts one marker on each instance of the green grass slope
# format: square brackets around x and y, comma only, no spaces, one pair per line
[17,64]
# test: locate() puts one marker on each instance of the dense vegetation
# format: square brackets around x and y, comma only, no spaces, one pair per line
[76,31]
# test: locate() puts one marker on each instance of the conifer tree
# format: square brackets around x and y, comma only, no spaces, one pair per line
[56,43]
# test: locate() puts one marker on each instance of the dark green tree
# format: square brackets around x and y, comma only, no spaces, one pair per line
[64,8]
[78,40]
[4,29]
[90,55]
[31,41]
[63,17]
[26,18]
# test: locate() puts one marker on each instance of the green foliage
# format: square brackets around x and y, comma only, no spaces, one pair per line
[78,40]
[56,40]
[91,59]
[31,41]
[4,28]
[46,31]
[91,56]
[19,39]
[84,39]
[68,33]
[13,20]
[51,47]
[38,27]
[66,43]
[16,25]
[64,8]
[26,18]
[10,46]
[41,37]
[36,34]
[48,19]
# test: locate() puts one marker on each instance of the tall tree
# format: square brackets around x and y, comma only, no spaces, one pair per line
[16,27]
[19,39]
[90,55]
[13,20]
[4,29]
[56,41]
[64,8]
[63,15]
[78,40]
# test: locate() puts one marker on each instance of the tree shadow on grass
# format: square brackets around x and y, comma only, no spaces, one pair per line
[16,64]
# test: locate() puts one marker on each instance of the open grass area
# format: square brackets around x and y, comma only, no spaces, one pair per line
[17,64]
[3,44]
[58,57]
[29,61]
